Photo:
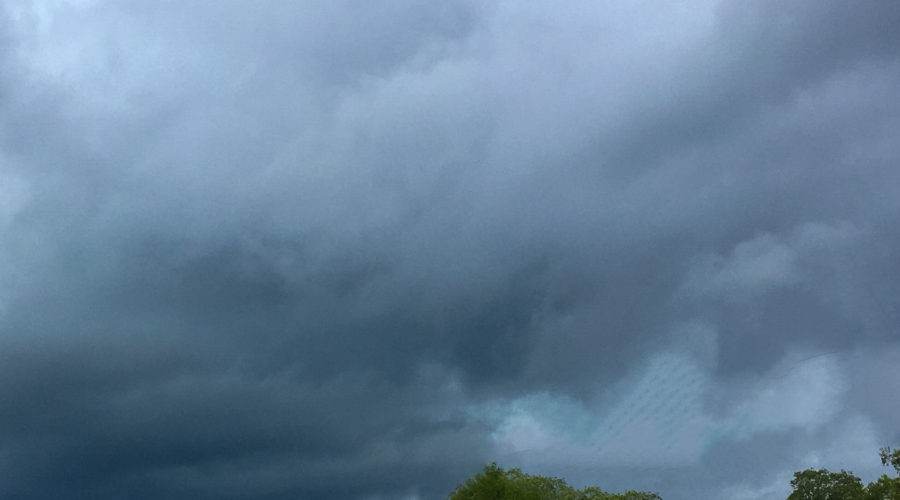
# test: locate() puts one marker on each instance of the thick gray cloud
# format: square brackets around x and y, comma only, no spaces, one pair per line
[282,250]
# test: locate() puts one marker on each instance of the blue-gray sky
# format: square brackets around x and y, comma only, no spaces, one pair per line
[356,250]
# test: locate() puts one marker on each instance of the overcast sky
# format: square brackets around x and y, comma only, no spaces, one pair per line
[348,250]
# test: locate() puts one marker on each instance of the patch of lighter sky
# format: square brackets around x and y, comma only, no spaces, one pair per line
[14,195]
[807,393]
[753,267]
[661,418]
[854,443]
[778,487]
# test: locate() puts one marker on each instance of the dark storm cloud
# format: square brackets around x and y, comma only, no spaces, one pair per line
[354,251]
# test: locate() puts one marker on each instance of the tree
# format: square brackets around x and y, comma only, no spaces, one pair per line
[886,488]
[890,457]
[594,493]
[823,484]
[495,483]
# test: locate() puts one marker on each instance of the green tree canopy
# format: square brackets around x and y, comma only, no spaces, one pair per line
[823,484]
[890,457]
[495,483]
[886,488]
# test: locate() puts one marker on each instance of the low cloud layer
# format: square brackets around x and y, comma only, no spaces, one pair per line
[352,251]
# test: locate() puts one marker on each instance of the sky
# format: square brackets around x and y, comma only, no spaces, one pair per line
[355,250]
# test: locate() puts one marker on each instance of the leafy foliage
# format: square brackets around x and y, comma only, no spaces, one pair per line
[890,457]
[886,488]
[495,483]
[825,485]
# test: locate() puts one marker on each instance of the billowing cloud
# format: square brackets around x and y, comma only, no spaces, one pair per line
[286,250]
